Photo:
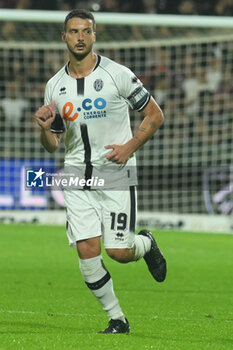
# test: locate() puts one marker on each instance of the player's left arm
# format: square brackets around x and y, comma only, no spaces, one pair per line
[153,119]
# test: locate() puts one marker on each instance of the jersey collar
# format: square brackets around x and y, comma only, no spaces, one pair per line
[96,66]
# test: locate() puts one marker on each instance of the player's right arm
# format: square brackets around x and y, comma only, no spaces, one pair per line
[45,116]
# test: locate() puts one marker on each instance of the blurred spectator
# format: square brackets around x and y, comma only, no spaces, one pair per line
[205,7]
[214,74]
[149,6]
[215,122]
[23,4]
[19,4]
[194,83]
[13,105]
[224,8]
[66,5]
[161,91]
[8,3]
[110,6]
[187,7]
[8,31]
[160,57]
[30,4]
[226,83]
[166,6]
[131,6]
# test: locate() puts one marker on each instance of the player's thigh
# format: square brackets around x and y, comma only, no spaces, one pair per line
[119,217]
[82,215]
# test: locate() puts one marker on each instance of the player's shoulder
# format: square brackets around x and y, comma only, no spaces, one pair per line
[112,67]
[56,77]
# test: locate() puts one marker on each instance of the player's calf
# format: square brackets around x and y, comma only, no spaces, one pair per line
[99,281]
[121,255]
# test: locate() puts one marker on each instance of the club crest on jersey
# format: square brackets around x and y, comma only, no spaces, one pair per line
[98,84]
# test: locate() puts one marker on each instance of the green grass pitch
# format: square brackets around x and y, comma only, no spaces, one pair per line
[44,303]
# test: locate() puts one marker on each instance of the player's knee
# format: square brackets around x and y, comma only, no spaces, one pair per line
[120,255]
[88,248]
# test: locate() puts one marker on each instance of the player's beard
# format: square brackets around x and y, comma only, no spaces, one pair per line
[80,56]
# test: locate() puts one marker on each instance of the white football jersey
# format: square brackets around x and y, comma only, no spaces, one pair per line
[94,111]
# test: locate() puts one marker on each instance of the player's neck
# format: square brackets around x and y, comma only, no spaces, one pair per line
[80,69]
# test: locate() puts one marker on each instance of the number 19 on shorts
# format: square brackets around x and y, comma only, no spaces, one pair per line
[118,221]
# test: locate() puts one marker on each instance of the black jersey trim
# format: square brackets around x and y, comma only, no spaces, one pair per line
[96,66]
[57,125]
[80,86]
[132,209]
[87,154]
[98,62]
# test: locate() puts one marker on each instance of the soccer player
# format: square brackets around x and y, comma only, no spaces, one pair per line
[88,99]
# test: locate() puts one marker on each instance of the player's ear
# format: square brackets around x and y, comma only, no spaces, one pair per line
[63,36]
[94,36]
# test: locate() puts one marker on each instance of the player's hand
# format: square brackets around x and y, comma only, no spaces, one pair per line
[45,115]
[119,154]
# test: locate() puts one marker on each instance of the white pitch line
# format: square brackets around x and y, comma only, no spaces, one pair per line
[64,314]
[47,313]
[100,316]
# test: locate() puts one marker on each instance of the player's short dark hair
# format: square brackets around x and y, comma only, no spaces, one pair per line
[80,13]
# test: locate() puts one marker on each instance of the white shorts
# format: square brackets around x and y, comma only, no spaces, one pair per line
[110,214]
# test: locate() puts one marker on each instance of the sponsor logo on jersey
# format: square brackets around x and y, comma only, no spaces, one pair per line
[119,236]
[90,108]
[98,84]
[62,90]
[67,112]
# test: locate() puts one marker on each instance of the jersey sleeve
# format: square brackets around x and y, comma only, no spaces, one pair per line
[57,125]
[132,89]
